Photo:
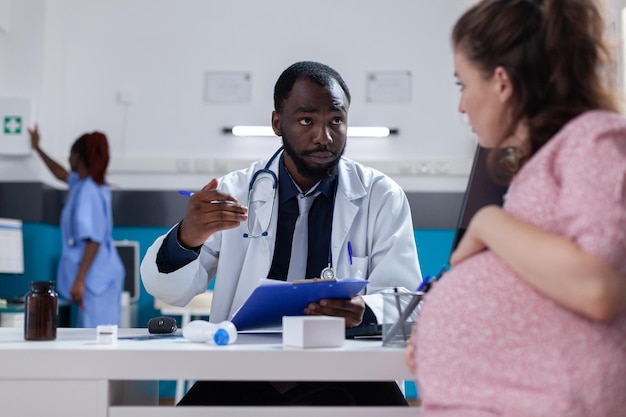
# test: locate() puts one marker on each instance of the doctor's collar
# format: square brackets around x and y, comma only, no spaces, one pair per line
[287,187]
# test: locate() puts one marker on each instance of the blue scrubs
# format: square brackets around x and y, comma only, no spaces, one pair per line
[87,215]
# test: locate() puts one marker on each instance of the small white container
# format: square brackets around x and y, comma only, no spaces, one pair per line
[106,334]
[313,331]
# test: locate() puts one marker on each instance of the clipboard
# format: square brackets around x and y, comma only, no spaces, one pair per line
[267,304]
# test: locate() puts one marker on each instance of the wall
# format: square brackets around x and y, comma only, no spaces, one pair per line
[73,59]
[80,55]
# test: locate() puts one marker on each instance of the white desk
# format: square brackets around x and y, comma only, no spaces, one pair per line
[200,305]
[73,376]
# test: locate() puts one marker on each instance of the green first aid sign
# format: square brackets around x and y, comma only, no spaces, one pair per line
[12,125]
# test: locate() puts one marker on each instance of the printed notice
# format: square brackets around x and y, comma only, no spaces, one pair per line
[227,87]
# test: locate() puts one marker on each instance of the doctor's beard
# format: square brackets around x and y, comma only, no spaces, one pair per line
[313,173]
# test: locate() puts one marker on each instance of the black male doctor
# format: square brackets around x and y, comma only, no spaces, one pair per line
[240,228]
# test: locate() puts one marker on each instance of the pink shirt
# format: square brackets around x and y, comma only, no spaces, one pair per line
[488,344]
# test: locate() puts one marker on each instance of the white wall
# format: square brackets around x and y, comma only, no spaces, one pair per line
[73,58]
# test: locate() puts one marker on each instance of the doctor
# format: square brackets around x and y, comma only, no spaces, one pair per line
[240,229]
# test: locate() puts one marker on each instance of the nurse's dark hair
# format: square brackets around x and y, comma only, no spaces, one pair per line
[555,56]
[93,149]
[314,71]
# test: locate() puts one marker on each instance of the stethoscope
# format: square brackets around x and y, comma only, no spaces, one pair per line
[328,272]
[257,177]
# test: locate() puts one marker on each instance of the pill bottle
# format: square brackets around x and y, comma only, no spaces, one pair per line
[40,311]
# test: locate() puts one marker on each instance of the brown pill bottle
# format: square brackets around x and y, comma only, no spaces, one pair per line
[40,311]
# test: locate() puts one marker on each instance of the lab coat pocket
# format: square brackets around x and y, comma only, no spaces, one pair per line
[358,269]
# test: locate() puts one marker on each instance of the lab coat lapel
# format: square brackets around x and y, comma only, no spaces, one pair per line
[260,250]
[346,208]
[260,209]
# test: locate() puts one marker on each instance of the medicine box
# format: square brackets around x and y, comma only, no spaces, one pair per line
[313,331]
[106,334]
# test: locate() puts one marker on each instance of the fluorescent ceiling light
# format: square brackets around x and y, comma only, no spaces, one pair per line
[252,131]
[353,131]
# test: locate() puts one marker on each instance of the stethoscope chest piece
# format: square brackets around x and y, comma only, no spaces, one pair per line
[327,273]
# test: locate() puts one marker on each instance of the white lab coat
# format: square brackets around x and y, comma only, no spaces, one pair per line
[371,211]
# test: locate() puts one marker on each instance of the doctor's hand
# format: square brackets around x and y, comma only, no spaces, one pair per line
[352,310]
[209,211]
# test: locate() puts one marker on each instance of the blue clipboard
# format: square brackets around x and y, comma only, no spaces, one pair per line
[267,304]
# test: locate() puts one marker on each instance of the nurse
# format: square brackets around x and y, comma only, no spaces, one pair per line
[90,271]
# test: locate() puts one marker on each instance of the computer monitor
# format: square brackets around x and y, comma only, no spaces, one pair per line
[129,252]
[481,191]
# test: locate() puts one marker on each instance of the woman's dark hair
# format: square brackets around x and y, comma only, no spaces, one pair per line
[314,71]
[93,149]
[554,54]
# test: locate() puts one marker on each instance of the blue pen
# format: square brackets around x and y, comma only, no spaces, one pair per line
[428,280]
[185,192]
[425,282]
[350,251]
[190,193]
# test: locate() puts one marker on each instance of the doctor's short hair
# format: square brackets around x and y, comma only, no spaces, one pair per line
[314,71]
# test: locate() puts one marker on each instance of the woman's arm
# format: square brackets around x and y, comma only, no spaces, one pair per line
[55,168]
[554,265]
[78,288]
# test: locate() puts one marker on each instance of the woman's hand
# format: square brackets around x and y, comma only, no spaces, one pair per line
[472,242]
[554,265]
[78,287]
[409,351]
[77,291]
[34,137]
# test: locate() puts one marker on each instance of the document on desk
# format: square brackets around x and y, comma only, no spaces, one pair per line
[268,303]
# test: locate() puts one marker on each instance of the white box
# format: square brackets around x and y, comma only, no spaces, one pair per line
[106,334]
[313,331]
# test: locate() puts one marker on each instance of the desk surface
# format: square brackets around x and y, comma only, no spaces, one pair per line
[257,355]
[75,377]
